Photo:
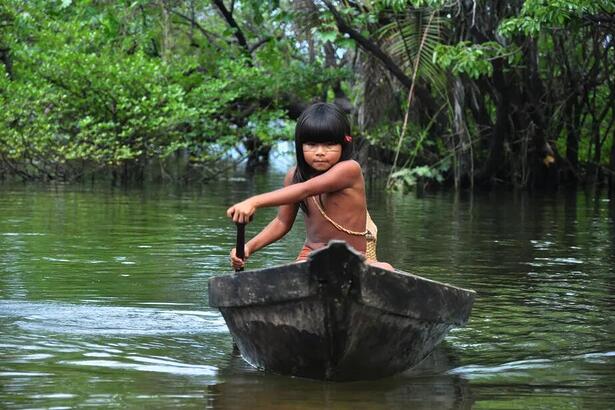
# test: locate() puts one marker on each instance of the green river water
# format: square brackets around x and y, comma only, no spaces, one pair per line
[103,300]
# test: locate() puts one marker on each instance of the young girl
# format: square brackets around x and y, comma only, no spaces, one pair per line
[327,184]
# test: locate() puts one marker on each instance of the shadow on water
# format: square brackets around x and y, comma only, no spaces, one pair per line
[427,386]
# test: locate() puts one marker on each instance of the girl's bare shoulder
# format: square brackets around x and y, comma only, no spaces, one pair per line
[349,169]
[347,166]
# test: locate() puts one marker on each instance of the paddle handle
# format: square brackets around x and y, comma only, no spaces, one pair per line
[241,243]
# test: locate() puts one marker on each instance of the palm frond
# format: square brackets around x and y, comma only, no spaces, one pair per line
[402,39]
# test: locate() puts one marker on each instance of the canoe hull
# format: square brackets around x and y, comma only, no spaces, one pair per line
[379,345]
[335,317]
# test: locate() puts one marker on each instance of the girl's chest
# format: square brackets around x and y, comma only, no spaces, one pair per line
[344,209]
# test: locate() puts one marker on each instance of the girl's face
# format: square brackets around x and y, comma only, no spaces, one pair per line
[322,155]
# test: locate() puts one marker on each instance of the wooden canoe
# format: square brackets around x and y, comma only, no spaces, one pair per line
[335,317]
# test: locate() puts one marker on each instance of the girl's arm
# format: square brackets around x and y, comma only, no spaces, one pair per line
[280,225]
[275,230]
[340,176]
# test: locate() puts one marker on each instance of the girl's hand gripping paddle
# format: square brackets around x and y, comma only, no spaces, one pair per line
[241,243]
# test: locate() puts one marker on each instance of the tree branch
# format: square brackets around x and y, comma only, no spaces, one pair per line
[196,24]
[369,46]
[228,16]
[262,41]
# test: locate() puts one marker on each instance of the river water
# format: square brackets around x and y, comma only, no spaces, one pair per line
[103,299]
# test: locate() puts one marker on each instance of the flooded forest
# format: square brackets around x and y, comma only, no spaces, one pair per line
[454,93]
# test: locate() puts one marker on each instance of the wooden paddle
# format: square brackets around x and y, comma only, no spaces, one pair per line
[241,243]
[240,252]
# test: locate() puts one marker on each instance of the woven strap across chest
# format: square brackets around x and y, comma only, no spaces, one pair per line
[338,226]
[370,233]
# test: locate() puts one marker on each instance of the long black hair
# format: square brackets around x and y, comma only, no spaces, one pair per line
[320,122]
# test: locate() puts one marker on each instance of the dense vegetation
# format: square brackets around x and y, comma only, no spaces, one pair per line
[466,92]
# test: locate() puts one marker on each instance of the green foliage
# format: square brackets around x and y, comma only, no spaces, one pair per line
[407,178]
[94,85]
[537,15]
[413,38]
[117,85]
[404,5]
[554,58]
[473,60]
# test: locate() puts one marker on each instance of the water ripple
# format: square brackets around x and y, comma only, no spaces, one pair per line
[148,365]
[54,317]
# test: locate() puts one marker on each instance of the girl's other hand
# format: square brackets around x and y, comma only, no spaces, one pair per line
[236,262]
[241,212]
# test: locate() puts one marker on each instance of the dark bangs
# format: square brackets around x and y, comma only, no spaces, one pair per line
[320,122]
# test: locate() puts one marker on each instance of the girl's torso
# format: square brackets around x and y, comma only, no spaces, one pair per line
[346,207]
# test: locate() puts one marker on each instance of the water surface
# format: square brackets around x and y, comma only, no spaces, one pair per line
[103,299]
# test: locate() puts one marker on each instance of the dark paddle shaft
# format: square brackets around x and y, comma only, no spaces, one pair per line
[241,242]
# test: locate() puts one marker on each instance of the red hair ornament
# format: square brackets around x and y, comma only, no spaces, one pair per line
[348,138]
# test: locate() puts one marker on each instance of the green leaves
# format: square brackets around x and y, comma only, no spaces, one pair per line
[407,178]
[473,60]
[326,35]
[92,87]
[404,5]
[539,15]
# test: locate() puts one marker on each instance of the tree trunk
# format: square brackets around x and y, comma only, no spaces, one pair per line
[380,104]
[612,166]
[258,153]
[538,156]
[462,145]
[5,57]
[501,130]
[340,97]
[572,140]
[166,31]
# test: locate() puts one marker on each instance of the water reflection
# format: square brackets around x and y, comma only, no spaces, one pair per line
[426,387]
